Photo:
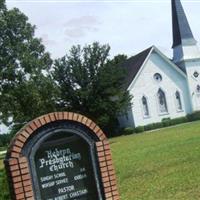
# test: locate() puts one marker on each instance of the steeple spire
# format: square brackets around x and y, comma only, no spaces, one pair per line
[182,34]
[184,46]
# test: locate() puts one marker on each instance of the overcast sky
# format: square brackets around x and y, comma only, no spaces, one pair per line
[128,26]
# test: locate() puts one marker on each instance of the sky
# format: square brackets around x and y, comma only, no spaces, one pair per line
[128,26]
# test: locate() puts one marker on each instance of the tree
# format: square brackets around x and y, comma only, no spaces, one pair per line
[91,84]
[26,87]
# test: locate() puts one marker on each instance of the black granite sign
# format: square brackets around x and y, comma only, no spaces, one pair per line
[64,169]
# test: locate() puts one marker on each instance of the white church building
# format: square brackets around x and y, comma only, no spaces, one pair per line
[163,87]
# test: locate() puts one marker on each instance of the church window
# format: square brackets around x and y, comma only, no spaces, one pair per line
[162,103]
[178,101]
[145,106]
[198,89]
[157,77]
[196,74]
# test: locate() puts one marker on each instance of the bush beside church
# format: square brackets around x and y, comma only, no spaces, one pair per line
[166,122]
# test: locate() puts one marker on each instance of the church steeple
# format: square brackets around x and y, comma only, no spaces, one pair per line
[184,45]
[182,34]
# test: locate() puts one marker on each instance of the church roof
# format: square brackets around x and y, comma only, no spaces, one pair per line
[133,65]
[182,33]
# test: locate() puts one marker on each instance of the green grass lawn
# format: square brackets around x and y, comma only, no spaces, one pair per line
[160,165]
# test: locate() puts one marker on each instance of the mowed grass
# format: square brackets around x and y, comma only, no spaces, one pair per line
[160,165]
[1,162]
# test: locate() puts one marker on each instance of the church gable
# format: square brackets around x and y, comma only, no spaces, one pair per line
[155,59]
[134,64]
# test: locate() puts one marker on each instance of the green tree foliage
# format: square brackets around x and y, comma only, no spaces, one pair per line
[91,84]
[4,194]
[26,88]
[5,139]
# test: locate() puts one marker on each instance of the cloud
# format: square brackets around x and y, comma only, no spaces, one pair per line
[79,27]
[47,41]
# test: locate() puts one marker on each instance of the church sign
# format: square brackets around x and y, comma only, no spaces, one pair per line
[61,156]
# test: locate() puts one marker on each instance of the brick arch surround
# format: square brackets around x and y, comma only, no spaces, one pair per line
[17,165]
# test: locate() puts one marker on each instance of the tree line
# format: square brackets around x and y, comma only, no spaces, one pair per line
[85,80]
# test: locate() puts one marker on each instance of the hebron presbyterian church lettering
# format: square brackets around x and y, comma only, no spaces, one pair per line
[161,87]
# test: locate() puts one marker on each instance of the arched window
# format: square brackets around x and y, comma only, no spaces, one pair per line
[145,106]
[178,101]
[198,89]
[162,103]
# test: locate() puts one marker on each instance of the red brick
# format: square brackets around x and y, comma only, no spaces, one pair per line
[23,160]
[88,122]
[104,168]
[28,188]
[52,117]
[92,126]
[21,138]
[80,117]
[47,118]
[23,165]
[26,183]
[17,179]
[15,173]
[25,171]
[19,144]
[96,129]
[25,134]
[60,116]
[100,148]
[84,120]
[16,149]
[65,116]
[42,120]
[29,130]
[17,185]
[26,177]
[70,115]
[38,123]
[13,162]
[107,184]
[109,194]
[75,117]
[33,126]
[105,179]
[19,190]
[14,168]
[101,153]
[98,144]
[29,194]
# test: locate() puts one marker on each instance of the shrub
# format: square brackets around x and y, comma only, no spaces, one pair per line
[158,125]
[194,116]
[149,127]
[153,126]
[128,131]
[166,122]
[179,120]
[4,194]
[139,129]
